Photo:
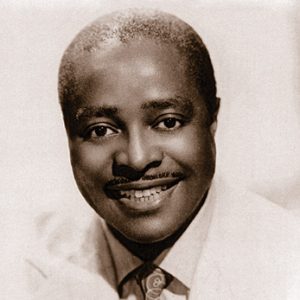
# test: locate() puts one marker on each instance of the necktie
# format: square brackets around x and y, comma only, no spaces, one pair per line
[152,281]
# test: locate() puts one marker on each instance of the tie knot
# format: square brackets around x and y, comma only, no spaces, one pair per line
[153,280]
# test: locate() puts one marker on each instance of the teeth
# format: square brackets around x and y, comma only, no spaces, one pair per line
[153,191]
[138,194]
[146,193]
[155,196]
[143,195]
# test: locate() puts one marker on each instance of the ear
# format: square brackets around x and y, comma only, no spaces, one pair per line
[213,128]
[214,124]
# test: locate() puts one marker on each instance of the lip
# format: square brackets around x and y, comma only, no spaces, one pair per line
[136,206]
[125,194]
[145,184]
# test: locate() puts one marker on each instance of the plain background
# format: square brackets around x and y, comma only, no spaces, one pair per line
[254,46]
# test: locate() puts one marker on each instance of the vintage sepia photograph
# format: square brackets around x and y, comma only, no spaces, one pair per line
[150,150]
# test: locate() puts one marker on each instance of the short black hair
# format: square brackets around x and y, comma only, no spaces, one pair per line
[125,26]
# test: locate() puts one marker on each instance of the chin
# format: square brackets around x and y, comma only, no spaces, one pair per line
[147,239]
[148,235]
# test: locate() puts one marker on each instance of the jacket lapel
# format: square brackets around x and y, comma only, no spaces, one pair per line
[250,252]
[82,270]
[71,282]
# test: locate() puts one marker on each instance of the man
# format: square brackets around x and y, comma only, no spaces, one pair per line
[138,96]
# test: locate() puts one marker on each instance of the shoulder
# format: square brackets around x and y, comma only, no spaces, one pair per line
[249,222]
[236,204]
[252,248]
[68,258]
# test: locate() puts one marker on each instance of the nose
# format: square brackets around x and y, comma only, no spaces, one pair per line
[139,154]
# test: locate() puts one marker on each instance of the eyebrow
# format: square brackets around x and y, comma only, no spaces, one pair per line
[185,105]
[96,111]
[181,103]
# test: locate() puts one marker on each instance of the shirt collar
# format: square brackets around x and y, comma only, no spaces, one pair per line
[186,250]
[181,260]
[124,260]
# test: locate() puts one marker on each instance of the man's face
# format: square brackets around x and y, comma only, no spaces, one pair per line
[141,148]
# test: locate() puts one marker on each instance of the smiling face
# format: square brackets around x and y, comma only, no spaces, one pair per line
[141,147]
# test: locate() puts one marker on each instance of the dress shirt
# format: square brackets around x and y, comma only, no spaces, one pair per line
[180,260]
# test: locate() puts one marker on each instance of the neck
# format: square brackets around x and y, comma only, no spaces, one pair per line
[149,251]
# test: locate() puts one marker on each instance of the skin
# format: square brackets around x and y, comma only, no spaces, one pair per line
[140,121]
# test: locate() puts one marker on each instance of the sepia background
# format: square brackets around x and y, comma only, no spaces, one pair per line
[254,46]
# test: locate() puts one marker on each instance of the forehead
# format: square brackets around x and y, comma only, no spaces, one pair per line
[141,67]
[140,57]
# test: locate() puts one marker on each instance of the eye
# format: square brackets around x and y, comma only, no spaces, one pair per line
[170,123]
[100,131]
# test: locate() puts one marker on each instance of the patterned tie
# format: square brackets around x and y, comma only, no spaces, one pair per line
[152,281]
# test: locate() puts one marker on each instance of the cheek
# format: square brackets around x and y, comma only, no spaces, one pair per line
[90,160]
[91,169]
[193,148]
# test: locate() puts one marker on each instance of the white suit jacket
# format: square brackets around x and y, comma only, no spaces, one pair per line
[252,251]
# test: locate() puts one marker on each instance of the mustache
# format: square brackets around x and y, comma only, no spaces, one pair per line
[121,180]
